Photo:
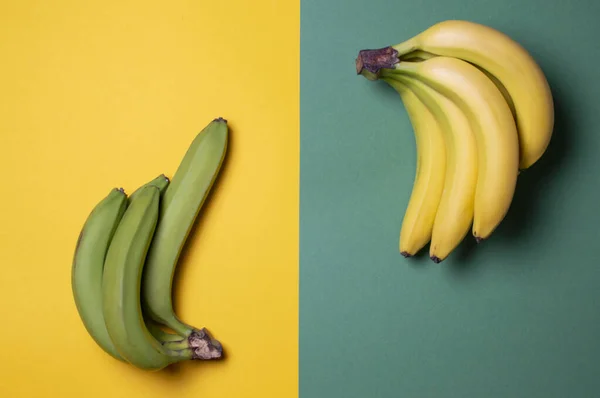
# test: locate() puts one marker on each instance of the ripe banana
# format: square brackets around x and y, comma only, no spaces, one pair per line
[121,285]
[527,88]
[179,208]
[419,55]
[494,127]
[88,264]
[455,212]
[417,224]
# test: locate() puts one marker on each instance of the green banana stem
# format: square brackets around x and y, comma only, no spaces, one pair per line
[176,345]
[418,55]
[161,335]
[200,342]
[184,354]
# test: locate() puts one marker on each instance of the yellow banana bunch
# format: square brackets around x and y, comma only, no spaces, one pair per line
[494,106]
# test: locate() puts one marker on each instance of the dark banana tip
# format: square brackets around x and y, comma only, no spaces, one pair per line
[406,254]
[121,190]
[436,259]
[220,119]
[165,177]
[478,239]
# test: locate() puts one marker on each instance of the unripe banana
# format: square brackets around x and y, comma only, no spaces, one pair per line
[179,208]
[161,182]
[121,287]
[88,264]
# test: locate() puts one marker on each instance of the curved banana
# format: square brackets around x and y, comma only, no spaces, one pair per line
[419,55]
[428,185]
[526,85]
[494,127]
[179,208]
[455,212]
[161,182]
[121,286]
[88,264]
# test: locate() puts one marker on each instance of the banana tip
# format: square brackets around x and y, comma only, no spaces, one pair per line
[406,254]
[220,119]
[436,259]
[478,239]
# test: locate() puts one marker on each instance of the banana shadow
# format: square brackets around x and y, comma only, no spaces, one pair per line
[524,216]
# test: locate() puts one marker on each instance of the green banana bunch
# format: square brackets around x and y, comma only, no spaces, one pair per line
[88,267]
[121,286]
[179,208]
[112,250]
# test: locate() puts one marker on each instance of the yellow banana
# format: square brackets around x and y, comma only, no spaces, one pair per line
[417,224]
[493,124]
[512,66]
[419,55]
[455,212]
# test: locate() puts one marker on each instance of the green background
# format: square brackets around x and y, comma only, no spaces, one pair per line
[517,316]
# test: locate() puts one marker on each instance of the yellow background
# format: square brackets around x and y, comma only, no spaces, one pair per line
[95,95]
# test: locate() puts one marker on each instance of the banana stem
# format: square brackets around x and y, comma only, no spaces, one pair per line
[180,328]
[374,64]
[403,69]
[177,345]
[199,344]
[406,47]
[161,335]
[406,66]
[373,60]
[418,55]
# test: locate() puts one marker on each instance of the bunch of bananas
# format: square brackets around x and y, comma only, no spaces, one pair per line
[481,110]
[126,255]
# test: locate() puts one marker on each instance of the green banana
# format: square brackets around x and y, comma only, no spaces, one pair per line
[88,264]
[161,182]
[179,208]
[121,286]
